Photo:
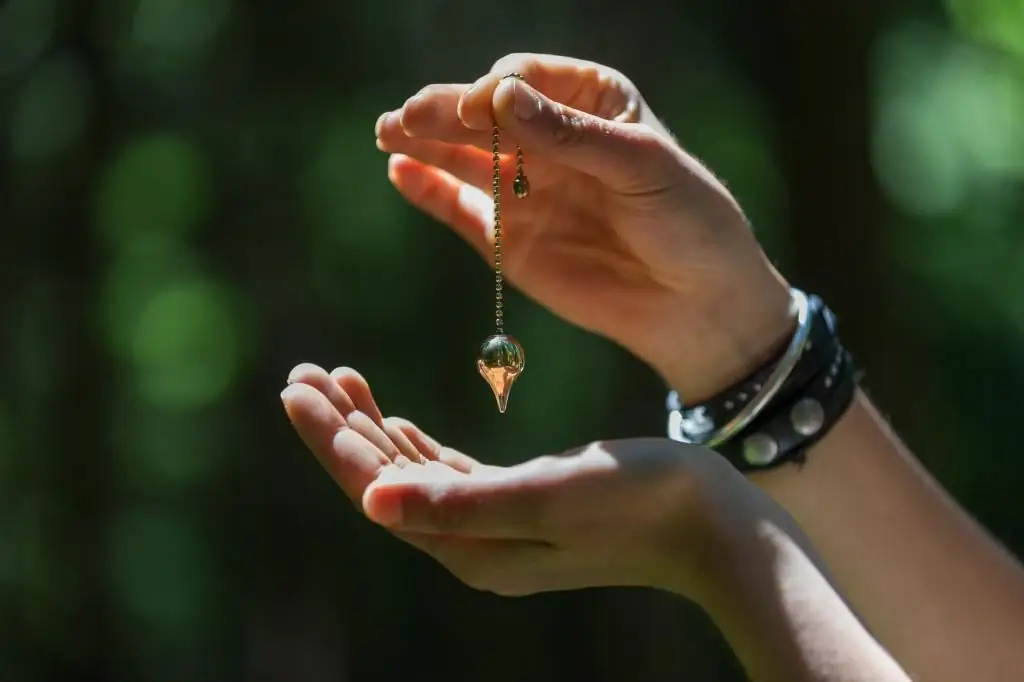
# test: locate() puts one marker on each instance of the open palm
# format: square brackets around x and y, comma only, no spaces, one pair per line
[622,512]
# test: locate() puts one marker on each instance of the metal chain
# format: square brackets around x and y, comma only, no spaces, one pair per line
[499,278]
[521,190]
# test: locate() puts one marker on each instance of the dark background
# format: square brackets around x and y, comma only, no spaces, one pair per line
[191,202]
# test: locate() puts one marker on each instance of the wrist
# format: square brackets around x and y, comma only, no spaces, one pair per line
[710,501]
[732,334]
[720,536]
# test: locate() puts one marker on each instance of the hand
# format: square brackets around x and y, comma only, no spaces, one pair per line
[623,234]
[632,512]
[643,512]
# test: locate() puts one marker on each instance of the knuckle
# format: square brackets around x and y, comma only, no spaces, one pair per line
[623,81]
[648,138]
[652,145]
[428,92]
[571,128]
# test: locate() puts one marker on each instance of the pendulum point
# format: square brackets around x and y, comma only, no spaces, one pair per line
[500,363]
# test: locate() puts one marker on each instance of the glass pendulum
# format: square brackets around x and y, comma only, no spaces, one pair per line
[501,358]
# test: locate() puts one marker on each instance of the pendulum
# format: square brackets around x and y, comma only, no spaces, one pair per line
[501,359]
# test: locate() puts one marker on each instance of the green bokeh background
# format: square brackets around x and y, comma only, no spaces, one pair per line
[191,202]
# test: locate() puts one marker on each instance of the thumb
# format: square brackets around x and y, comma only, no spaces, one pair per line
[417,500]
[629,157]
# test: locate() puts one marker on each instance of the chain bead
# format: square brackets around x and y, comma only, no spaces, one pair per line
[521,188]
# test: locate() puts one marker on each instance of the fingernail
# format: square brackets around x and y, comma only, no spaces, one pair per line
[413,100]
[468,92]
[525,103]
[380,123]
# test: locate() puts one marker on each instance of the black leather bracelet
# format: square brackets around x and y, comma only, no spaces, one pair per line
[709,415]
[784,432]
[815,395]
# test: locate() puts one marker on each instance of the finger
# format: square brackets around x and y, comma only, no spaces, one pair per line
[448,200]
[369,429]
[433,114]
[356,387]
[469,164]
[426,446]
[628,157]
[350,460]
[318,378]
[590,87]
[404,444]
[432,450]
[458,461]
[488,507]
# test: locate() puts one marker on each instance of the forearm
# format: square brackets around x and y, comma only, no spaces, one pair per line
[779,613]
[936,590]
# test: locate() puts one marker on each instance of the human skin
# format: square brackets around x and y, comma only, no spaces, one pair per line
[666,266]
[642,512]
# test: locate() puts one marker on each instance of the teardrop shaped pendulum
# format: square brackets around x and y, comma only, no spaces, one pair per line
[502,359]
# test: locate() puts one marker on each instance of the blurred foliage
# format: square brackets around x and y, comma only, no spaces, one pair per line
[191,202]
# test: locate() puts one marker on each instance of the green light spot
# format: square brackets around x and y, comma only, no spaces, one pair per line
[915,160]
[137,273]
[156,185]
[187,345]
[997,22]
[949,122]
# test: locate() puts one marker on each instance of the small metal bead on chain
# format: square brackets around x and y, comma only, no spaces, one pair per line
[521,188]
[499,279]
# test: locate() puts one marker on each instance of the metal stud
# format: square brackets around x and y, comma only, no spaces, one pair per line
[759,449]
[807,417]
